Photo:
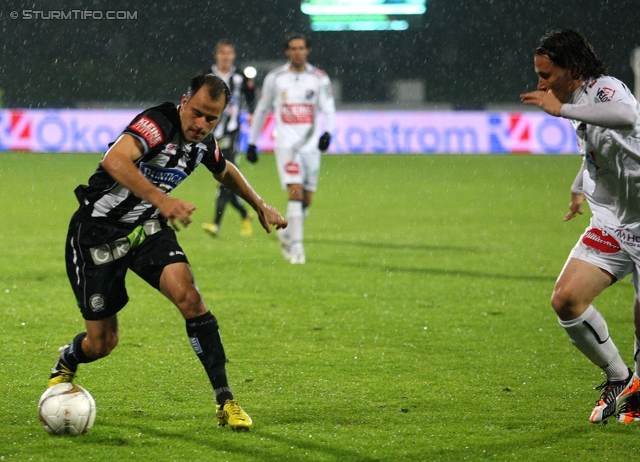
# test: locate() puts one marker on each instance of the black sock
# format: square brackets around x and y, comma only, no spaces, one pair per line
[204,336]
[74,355]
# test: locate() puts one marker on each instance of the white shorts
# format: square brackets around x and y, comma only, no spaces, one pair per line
[615,251]
[298,167]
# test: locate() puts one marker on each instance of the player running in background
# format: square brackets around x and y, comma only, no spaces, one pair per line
[122,224]
[572,83]
[296,91]
[227,131]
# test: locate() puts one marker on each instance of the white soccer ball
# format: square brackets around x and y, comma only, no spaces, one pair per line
[66,409]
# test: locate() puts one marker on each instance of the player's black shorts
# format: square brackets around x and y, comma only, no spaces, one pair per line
[99,253]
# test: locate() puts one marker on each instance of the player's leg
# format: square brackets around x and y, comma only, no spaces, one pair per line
[630,410]
[178,285]
[98,284]
[100,338]
[593,266]
[578,285]
[289,167]
[307,199]
[310,172]
[636,343]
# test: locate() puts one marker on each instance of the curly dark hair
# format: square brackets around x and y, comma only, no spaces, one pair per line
[570,50]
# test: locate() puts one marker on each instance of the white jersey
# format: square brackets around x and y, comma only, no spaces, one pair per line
[611,181]
[295,98]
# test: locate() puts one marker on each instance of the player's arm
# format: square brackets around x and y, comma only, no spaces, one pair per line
[577,196]
[119,162]
[609,114]
[232,179]
[259,117]
[327,105]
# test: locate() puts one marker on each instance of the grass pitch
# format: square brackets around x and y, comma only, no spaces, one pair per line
[419,329]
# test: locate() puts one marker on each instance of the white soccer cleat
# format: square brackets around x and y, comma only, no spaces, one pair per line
[297,259]
[297,255]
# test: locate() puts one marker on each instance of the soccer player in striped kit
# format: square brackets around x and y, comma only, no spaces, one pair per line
[227,131]
[126,220]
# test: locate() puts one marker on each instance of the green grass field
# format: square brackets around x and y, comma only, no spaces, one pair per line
[419,329]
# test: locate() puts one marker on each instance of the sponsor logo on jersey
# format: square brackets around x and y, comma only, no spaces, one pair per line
[299,113]
[292,168]
[148,129]
[165,178]
[600,241]
[604,94]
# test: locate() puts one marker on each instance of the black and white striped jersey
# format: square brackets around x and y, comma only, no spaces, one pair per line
[239,86]
[166,162]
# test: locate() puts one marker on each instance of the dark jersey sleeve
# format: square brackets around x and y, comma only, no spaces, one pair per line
[155,126]
[213,158]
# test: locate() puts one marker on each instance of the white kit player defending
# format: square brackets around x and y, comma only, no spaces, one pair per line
[572,84]
[296,92]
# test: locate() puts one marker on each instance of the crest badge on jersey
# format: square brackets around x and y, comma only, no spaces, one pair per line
[310,94]
[604,94]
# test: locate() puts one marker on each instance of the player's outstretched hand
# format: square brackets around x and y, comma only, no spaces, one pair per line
[268,216]
[323,142]
[177,211]
[575,207]
[252,153]
[546,100]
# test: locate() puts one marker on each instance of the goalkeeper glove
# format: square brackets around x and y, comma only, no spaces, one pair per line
[252,153]
[323,143]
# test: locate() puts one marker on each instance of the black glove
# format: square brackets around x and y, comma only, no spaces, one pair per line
[323,143]
[252,153]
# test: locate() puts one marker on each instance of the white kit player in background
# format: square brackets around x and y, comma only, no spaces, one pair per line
[572,84]
[296,91]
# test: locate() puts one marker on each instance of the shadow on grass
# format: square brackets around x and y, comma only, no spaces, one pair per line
[467,273]
[246,447]
[392,245]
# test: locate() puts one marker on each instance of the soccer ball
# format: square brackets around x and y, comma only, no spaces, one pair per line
[66,409]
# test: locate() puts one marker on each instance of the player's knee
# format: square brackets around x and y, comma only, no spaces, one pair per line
[565,304]
[191,303]
[295,192]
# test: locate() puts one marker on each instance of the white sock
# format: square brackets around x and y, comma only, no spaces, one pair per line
[295,218]
[589,333]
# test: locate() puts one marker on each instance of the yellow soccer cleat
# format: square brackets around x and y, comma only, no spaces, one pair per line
[211,228]
[61,373]
[232,414]
[246,230]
